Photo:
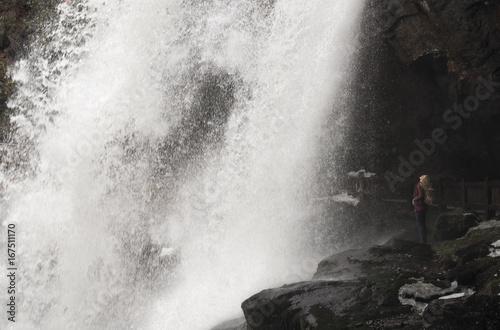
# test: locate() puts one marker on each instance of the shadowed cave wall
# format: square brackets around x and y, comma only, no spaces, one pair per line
[428,71]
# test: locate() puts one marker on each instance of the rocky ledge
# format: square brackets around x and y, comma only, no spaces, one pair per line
[452,284]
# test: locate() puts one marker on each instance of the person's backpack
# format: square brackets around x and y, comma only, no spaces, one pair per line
[415,194]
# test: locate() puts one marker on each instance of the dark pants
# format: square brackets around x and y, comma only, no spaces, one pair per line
[422,229]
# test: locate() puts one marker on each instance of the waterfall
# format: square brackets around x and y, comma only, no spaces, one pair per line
[164,156]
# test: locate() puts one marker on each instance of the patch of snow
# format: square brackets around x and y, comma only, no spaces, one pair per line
[418,307]
[342,197]
[409,293]
[311,320]
[452,296]
[426,6]
[495,250]
[486,225]
[424,290]
[345,198]
[467,292]
[359,173]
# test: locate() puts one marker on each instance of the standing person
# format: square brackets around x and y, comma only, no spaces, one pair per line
[421,198]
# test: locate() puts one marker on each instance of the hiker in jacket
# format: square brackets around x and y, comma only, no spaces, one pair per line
[421,198]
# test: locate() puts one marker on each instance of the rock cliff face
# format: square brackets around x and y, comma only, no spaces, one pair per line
[428,90]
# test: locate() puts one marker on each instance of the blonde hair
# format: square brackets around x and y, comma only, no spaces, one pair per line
[426,184]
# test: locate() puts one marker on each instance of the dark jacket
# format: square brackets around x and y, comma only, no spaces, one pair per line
[419,198]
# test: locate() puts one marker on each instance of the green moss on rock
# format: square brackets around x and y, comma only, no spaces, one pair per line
[452,225]
[475,241]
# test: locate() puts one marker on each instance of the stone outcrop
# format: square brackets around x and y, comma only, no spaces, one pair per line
[307,304]
[451,225]
[400,284]
[474,312]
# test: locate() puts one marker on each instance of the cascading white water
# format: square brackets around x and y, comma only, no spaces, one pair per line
[163,161]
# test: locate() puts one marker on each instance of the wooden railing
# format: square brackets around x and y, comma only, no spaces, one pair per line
[478,195]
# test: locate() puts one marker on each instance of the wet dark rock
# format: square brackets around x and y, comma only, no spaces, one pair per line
[236,324]
[345,284]
[391,286]
[452,225]
[304,305]
[472,312]
[342,266]
[425,292]
[418,60]
[455,28]
[467,261]
[413,248]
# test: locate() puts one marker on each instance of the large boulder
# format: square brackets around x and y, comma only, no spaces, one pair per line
[471,312]
[415,249]
[354,264]
[452,225]
[349,289]
[346,265]
[305,305]
[389,287]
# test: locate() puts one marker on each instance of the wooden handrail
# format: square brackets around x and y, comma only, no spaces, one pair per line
[480,195]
